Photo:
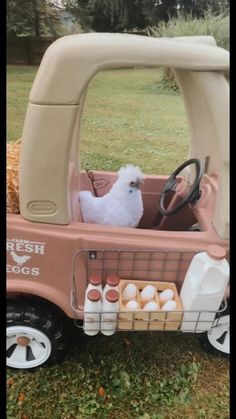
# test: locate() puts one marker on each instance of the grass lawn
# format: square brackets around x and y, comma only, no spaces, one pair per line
[128,118]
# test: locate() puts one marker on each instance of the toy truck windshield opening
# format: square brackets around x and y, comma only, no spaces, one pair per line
[49,185]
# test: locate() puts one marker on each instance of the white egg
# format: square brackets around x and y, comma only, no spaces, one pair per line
[148,292]
[132,305]
[130,291]
[151,306]
[169,305]
[167,294]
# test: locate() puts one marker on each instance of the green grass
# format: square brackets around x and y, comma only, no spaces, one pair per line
[211,25]
[128,118]
[154,375]
[19,82]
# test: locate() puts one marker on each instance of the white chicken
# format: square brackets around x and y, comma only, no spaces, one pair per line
[122,206]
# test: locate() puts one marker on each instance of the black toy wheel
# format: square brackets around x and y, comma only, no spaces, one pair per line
[217,340]
[35,337]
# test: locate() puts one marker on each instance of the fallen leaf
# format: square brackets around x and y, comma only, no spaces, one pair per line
[10,381]
[101,391]
[21,397]
[127,341]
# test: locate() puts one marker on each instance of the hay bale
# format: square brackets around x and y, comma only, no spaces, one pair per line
[13,157]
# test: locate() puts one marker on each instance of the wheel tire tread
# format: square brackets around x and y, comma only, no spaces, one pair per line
[205,343]
[43,319]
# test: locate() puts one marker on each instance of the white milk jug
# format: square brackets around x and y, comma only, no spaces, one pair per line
[92,310]
[203,288]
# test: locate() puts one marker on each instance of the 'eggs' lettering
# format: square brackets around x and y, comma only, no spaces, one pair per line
[25,270]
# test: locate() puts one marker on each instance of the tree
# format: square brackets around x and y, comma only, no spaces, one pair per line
[80,11]
[139,13]
[111,15]
[198,8]
[105,15]
[164,10]
[33,17]
[120,15]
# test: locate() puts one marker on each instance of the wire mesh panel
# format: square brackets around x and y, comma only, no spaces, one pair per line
[140,267]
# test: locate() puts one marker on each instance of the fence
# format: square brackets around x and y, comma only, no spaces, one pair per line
[30,49]
[27,50]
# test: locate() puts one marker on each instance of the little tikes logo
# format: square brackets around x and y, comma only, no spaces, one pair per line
[21,252]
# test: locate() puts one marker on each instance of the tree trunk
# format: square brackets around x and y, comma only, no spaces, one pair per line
[36,19]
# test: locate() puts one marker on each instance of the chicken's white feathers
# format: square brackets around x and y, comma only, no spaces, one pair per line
[130,173]
[122,206]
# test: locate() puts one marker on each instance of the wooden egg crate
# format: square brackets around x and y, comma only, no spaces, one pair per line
[148,320]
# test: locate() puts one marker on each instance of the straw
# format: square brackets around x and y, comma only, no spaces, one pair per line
[13,157]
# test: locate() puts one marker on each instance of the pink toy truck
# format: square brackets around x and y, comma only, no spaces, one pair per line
[51,252]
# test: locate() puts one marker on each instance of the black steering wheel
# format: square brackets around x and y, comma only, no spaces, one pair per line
[192,195]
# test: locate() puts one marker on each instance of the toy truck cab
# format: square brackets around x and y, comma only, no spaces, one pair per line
[50,250]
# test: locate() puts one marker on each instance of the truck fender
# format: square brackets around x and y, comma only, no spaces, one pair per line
[51,294]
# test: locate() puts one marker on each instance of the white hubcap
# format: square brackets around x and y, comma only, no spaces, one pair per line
[219,335]
[26,347]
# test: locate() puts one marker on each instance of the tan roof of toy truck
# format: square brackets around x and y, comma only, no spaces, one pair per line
[70,62]
[52,122]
